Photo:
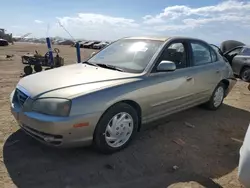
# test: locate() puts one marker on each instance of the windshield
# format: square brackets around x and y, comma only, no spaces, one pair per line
[131,55]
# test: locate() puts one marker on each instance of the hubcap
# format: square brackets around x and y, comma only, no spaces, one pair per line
[218,96]
[119,129]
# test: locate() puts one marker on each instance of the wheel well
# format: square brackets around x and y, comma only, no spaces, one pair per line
[225,82]
[137,107]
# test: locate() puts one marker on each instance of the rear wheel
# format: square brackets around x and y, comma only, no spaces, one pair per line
[217,97]
[245,74]
[116,128]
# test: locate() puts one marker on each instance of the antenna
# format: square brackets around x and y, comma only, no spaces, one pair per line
[77,45]
[66,30]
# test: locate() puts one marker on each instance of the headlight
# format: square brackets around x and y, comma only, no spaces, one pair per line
[52,106]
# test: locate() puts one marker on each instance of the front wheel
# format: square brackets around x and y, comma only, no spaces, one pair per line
[217,97]
[116,128]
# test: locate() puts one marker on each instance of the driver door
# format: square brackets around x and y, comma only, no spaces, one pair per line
[170,91]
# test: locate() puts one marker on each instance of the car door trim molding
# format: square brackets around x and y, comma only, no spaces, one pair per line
[177,98]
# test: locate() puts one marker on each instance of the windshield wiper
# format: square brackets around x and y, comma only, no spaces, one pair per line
[109,67]
[92,64]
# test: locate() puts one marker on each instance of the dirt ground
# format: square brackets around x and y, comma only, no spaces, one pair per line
[206,156]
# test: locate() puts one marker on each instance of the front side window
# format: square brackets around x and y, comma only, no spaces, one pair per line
[176,53]
[201,54]
[130,55]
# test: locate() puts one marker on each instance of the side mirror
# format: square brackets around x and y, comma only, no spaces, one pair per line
[93,53]
[165,66]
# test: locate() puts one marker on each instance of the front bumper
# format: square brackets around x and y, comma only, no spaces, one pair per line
[57,131]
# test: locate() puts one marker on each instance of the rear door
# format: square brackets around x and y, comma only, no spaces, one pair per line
[206,69]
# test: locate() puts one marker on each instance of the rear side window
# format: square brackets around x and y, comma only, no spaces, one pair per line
[201,54]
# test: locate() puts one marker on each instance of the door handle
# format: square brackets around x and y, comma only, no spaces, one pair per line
[189,78]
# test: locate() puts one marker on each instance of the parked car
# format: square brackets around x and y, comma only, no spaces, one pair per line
[238,56]
[90,44]
[82,43]
[87,44]
[108,98]
[66,42]
[100,45]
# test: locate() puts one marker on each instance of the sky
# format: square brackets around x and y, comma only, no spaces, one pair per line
[210,20]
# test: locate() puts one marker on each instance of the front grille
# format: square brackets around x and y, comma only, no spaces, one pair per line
[20,97]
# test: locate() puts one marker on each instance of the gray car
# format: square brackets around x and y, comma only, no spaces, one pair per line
[105,100]
[239,58]
[100,45]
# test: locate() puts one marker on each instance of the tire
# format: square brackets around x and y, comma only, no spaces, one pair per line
[212,104]
[103,136]
[28,70]
[245,74]
[38,68]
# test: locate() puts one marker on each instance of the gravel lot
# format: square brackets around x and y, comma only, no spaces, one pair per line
[204,154]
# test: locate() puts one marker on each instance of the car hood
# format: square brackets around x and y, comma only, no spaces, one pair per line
[73,79]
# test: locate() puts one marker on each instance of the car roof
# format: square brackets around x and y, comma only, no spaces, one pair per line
[163,39]
[149,38]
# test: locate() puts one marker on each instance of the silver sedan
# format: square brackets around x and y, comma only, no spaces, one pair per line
[106,100]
